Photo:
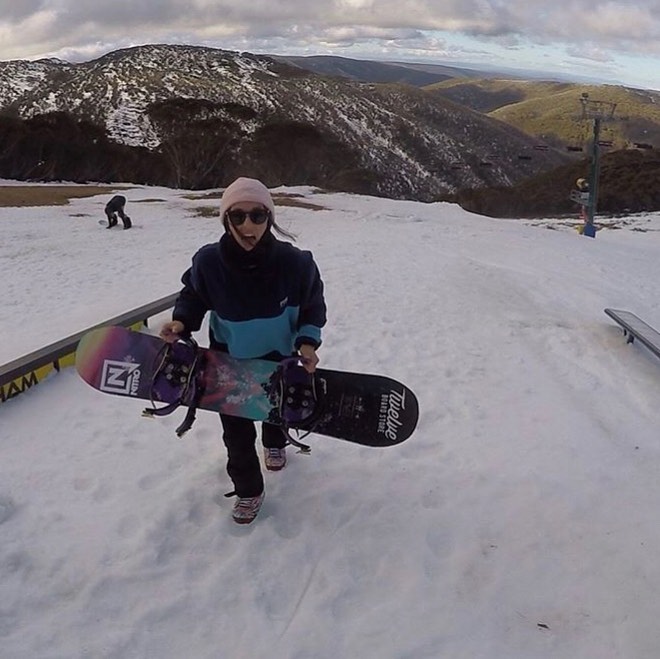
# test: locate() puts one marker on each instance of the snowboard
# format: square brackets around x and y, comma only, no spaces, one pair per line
[119,225]
[370,410]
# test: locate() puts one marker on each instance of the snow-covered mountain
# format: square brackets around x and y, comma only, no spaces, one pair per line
[411,142]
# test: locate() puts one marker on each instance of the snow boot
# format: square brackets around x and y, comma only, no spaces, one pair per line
[275,458]
[247,508]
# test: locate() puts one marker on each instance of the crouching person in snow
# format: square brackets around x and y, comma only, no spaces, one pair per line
[266,301]
[116,207]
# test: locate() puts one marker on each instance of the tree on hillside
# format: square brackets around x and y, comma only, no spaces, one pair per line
[198,139]
[56,146]
[283,152]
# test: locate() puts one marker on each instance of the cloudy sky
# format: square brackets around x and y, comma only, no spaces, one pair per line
[609,41]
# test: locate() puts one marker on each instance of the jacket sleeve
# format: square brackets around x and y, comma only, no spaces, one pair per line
[192,303]
[313,310]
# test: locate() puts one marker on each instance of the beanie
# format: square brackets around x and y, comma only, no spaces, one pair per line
[246,189]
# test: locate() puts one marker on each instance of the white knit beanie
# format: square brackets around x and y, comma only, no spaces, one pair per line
[246,189]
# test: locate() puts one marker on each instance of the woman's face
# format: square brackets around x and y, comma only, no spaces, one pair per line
[247,234]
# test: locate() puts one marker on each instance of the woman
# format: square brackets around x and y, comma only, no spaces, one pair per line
[266,301]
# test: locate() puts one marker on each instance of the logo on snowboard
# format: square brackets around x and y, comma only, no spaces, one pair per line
[120,378]
[391,406]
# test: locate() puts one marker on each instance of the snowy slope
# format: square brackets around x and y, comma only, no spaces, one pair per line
[519,521]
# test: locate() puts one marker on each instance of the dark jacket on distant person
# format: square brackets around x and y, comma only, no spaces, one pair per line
[116,207]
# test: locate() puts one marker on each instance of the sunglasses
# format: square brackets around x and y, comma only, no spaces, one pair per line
[257,216]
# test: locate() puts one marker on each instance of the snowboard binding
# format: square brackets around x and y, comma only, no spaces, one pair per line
[176,381]
[299,399]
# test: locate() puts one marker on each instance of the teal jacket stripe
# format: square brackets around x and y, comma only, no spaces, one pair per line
[311,332]
[249,339]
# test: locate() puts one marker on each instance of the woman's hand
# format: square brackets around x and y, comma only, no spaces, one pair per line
[171,331]
[309,357]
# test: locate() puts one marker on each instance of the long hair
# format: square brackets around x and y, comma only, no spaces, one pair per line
[283,232]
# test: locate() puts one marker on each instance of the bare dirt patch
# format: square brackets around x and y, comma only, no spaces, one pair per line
[60,195]
[280,199]
[47,195]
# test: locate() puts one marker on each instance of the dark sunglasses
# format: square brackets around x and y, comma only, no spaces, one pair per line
[257,216]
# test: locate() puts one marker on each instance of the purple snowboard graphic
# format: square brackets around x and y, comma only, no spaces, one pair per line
[370,410]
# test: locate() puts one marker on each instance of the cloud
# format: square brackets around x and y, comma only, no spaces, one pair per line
[35,28]
[16,12]
[589,53]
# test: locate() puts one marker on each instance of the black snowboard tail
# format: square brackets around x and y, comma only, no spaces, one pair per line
[376,410]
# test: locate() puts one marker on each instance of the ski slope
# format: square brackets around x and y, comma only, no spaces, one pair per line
[519,521]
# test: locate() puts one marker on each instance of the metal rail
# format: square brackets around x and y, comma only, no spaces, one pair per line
[22,373]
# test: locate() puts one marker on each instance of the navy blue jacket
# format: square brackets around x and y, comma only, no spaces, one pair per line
[264,303]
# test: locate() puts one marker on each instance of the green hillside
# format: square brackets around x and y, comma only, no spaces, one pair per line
[552,111]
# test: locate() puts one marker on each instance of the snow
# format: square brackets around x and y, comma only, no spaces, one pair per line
[519,521]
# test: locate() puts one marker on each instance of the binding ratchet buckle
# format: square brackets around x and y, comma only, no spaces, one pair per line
[299,399]
[176,381]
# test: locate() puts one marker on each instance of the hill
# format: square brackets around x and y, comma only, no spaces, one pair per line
[195,117]
[369,70]
[552,111]
[629,183]
[520,521]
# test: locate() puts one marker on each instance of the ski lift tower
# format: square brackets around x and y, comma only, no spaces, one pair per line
[599,111]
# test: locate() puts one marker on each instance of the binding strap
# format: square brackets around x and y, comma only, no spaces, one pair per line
[177,365]
[300,397]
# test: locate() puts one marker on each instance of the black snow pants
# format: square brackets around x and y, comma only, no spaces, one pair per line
[243,466]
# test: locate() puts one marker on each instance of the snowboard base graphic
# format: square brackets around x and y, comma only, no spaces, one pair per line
[370,410]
